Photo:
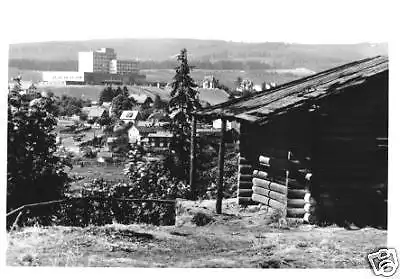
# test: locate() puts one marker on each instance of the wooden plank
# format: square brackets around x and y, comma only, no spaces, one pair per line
[246,201]
[274,162]
[295,203]
[302,176]
[245,169]
[245,192]
[267,201]
[244,161]
[270,194]
[295,212]
[245,177]
[276,153]
[296,193]
[245,184]
[269,185]
[287,185]
[293,183]
[271,171]
[260,174]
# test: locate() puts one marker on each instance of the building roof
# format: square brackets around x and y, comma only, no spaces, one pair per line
[160,134]
[86,110]
[106,105]
[151,91]
[129,115]
[63,122]
[145,123]
[213,96]
[96,111]
[259,107]
[140,99]
[111,139]
[147,129]
[158,115]
[104,154]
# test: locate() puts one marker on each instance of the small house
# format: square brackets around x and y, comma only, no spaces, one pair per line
[160,139]
[316,148]
[96,112]
[104,156]
[129,116]
[142,99]
[209,82]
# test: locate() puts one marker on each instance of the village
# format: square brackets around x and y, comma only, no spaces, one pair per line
[199,153]
[144,124]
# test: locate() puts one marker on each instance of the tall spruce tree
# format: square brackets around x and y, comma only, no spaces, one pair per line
[183,103]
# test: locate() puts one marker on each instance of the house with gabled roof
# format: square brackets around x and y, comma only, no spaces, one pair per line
[129,116]
[96,112]
[142,99]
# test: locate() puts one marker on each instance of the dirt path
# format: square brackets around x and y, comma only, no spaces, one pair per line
[238,238]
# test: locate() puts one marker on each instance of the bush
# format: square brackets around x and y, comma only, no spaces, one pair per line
[201,219]
[34,172]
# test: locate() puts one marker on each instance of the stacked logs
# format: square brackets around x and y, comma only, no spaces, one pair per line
[309,207]
[245,184]
[282,185]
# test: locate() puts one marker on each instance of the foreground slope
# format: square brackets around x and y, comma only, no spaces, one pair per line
[238,238]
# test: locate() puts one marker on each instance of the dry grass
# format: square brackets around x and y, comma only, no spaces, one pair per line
[237,238]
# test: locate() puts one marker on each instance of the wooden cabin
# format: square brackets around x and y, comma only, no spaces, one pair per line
[316,148]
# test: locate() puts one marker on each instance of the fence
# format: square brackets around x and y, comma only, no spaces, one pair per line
[87,163]
[84,211]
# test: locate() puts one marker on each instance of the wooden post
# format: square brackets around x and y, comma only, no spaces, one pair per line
[193,157]
[221,158]
[287,186]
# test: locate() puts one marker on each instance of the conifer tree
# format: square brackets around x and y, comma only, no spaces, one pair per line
[183,103]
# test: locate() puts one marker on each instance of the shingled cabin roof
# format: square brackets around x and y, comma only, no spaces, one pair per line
[259,107]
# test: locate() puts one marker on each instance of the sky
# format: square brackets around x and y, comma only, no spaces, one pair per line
[306,21]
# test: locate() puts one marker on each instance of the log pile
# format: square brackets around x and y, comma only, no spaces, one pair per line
[245,184]
[282,185]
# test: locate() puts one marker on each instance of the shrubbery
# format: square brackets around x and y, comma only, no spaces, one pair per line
[34,172]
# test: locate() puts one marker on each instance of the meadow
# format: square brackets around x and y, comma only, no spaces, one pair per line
[241,237]
[226,77]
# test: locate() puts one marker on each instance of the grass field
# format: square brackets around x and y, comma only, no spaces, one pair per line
[237,238]
[227,77]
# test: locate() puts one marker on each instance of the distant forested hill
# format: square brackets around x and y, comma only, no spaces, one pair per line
[206,54]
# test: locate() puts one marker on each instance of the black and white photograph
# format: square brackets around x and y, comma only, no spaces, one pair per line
[199,134]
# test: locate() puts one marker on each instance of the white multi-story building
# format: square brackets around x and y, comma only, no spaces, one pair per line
[127,67]
[93,66]
[96,61]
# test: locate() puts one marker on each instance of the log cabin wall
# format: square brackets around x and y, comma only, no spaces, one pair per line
[343,144]
[349,155]
[288,145]
[333,125]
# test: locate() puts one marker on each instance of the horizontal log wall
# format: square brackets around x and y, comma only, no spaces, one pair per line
[245,176]
[289,195]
